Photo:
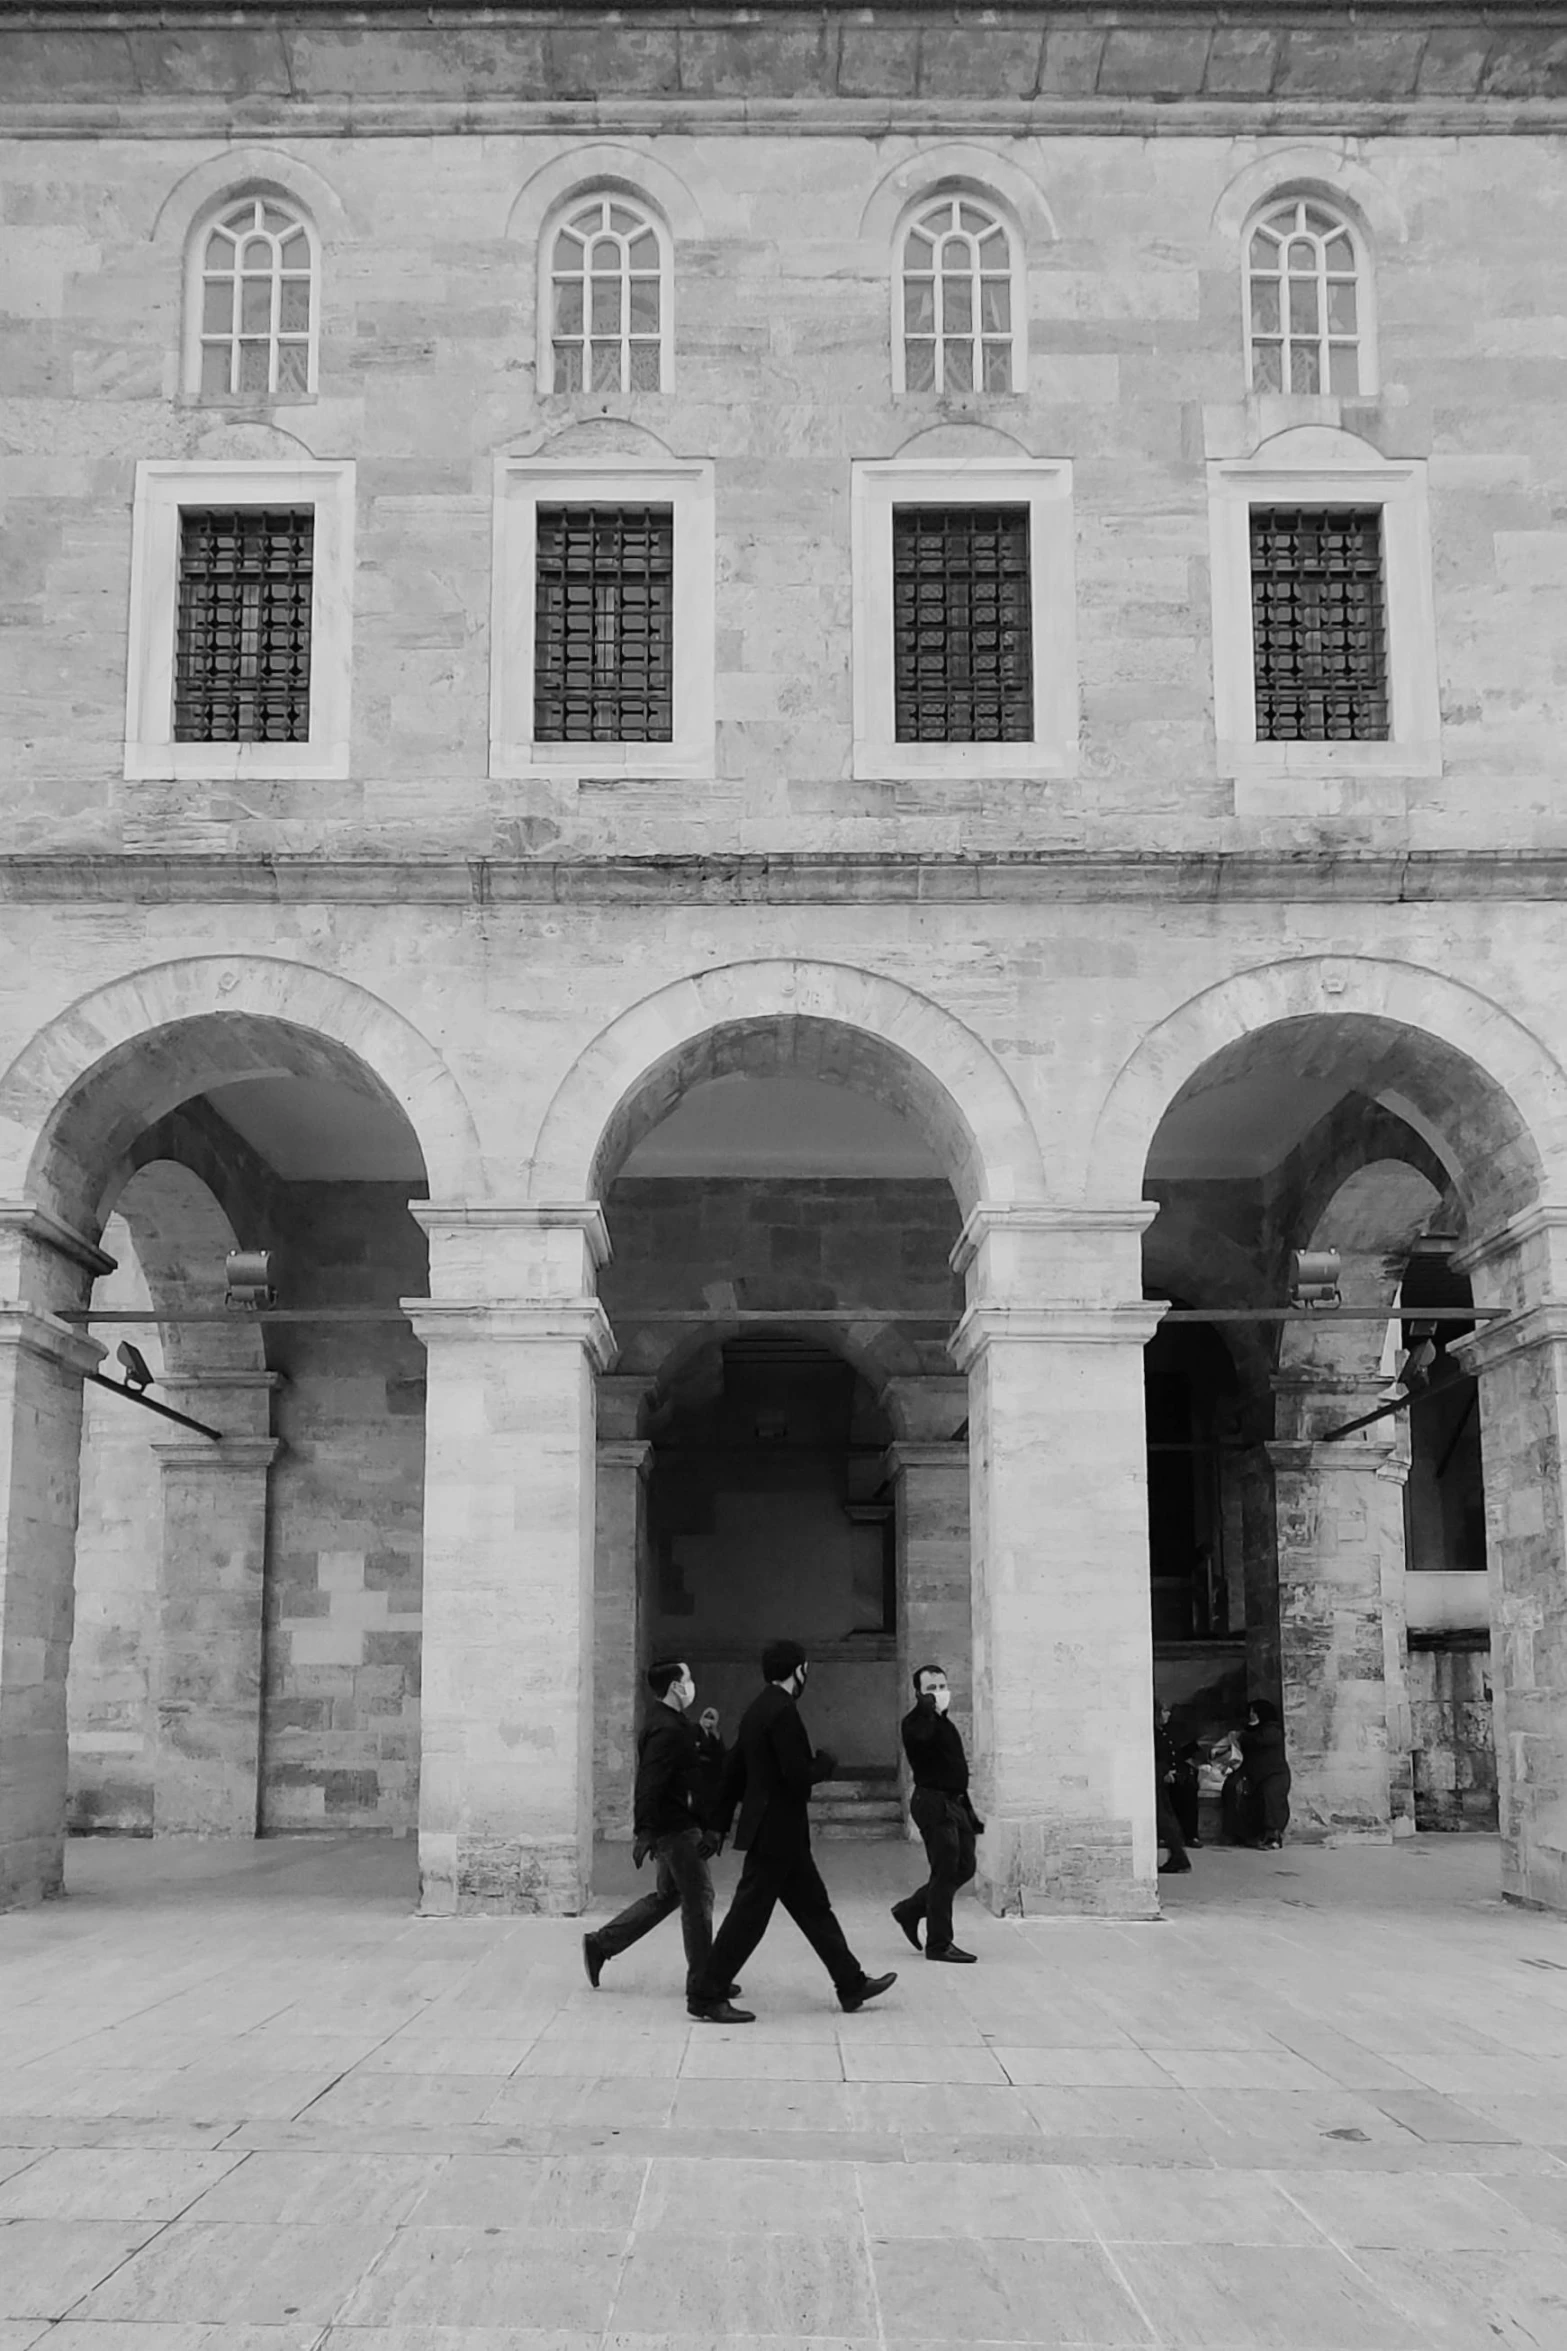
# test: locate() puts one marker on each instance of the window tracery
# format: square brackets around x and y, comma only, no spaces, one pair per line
[256,290]
[957,309]
[1305,300]
[608,299]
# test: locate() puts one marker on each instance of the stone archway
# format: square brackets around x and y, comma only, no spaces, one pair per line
[75,1109]
[1347,1043]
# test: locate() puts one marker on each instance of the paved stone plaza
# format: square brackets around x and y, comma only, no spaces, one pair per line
[248,2103]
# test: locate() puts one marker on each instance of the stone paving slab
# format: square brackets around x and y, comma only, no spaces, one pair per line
[248,2102]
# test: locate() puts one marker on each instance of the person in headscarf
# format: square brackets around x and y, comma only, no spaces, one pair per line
[1265,1810]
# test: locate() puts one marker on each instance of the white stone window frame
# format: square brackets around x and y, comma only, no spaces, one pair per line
[1018,270]
[522,486]
[559,215]
[1365,295]
[1319,471]
[1044,486]
[163,489]
[209,218]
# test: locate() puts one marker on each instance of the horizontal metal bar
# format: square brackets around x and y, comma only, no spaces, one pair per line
[151,1404]
[1330,1314]
[822,1314]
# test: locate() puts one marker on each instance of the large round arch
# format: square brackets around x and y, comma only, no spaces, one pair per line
[1463,1072]
[830,1021]
[109,1065]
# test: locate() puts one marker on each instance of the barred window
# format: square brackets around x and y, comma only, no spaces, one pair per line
[603,664]
[1319,624]
[1304,301]
[242,636]
[257,303]
[608,300]
[962,624]
[956,300]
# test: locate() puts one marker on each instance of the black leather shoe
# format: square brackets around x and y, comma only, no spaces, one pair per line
[953,1956]
[1173,1869]
[871,1989]
[592,1960]
[910,1924]
[720,2012]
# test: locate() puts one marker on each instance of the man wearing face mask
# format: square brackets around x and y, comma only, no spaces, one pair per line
[770,1773]
[674,1759]
[942,1814]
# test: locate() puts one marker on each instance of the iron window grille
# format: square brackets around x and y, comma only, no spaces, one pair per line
[603,664]
[242,639]
[962,625]
[1319,624]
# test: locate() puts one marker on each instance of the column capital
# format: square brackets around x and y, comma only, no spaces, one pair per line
[579,1322]
[991,1218]
[906,1453]
[626,1453]
[1542,1220]
[229,1455]
[29,1222]
[586,1217]
[40,1334]
[1130,1324]
[1491,1343]
[1305,1456]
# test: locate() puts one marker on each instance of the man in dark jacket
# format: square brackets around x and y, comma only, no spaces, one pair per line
[675,1762]
[942,1813]
[770,1773]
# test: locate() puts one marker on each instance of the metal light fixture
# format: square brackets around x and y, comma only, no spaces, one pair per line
[1314,1277]
[138,1373]
[249,1276]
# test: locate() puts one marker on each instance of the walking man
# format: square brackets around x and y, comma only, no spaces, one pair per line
[770,1773]
[671,1822]
[942,1813]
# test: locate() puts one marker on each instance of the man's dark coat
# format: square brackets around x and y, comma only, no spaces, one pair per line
[770,1773]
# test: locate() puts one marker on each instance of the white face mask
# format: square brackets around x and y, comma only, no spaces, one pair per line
[943,1700]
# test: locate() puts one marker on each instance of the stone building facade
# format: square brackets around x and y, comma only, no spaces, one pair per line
[765,1157]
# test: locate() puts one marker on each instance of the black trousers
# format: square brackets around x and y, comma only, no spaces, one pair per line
[948,1830]
[684,1883]
[1168,1829]
[765,1881]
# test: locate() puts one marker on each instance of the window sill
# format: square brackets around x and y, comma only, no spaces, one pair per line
[614,762]
[1259,762]
[236,763]
[880,762]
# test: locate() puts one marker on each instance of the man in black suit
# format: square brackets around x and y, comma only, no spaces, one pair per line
[676,1764]
[770,1774]
[942,1813]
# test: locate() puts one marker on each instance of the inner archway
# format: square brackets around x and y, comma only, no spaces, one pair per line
[782,1293]
[1394,1149]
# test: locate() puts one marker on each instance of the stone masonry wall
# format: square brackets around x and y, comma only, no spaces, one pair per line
[782,376]
[341,1724]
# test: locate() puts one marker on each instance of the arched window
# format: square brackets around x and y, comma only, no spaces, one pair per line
[254,301]
[958,300]
[1306,300]
[608,297]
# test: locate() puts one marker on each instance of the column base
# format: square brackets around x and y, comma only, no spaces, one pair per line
[500,1877]
[1048,1867]
[31,1871]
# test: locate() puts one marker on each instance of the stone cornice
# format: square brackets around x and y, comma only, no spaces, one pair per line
[307,69]
[866,877]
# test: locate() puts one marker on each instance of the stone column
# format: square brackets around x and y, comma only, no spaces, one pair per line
[1340,1516]
[42,1363]
[1052,1340]
[210,1663]
[1521,1364]
[514,1336]
[620,1523]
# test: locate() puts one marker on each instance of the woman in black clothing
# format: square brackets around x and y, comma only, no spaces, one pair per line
[1265,1807]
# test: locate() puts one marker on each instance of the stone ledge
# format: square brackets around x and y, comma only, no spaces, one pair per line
[319,67]
[1213,877]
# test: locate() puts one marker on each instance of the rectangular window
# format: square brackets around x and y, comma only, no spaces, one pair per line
[242,626]
[1319,624]
[962,624]
[604,657]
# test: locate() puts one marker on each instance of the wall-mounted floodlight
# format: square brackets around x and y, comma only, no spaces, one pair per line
[1314,1279]
[249,1274]
[138,1372]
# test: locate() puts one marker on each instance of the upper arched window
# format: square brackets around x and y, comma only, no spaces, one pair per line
[1307,295]
[958,300]
[254,301]
[607,269]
